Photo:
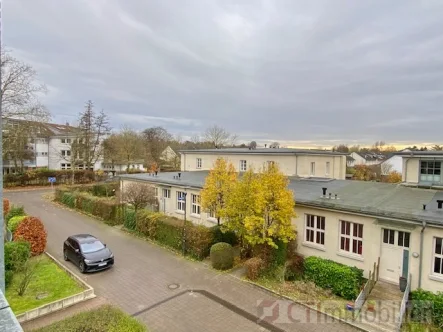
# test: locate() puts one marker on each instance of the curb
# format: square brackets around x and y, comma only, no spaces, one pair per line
[300,303]
[61,304]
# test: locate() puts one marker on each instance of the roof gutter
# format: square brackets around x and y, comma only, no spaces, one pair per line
[420,267]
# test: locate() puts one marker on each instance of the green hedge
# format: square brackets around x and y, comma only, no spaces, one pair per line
[343,280]
[16,254]
[129,219]
[427,307]
[40,177]
[14,222]
[223,236]
[169,231]
[222,256]
[103,208]
[13,212]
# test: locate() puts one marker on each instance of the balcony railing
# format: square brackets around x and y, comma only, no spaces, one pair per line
[8,321]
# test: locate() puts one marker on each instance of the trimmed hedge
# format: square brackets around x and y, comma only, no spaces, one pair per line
[255,266]
[39,177]
[16,255]
[15,211]
[169,232]
[343,280]
[129,219]
[14,222]
[427,307]
[222,256]
[31,229]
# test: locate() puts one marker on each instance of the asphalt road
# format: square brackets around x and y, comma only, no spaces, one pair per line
[140,281]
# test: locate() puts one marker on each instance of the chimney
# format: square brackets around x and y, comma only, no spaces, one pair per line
[330,195]
[336,196]
[266,145]
[156,173]
[324,191]
[424,206]
[440,203]
[179,175]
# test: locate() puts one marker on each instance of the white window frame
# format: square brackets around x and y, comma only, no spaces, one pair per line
[312,169]
[65,166]
[195,207]
[351,238]
[211,214]
[316,231]
[166,193]
[181,204]
[328,168]
[199,163]
[66,153]
[243,165]
[437,256]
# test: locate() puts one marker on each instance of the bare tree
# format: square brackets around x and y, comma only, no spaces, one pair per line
[386,168]
[156,140]
[274,145]
[17,147]
[253,145]
[27,275]
[341,148]
[139,195]
[94,127]
[217,136]
[437,147]
[20,89]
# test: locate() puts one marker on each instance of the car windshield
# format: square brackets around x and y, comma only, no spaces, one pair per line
[92,246]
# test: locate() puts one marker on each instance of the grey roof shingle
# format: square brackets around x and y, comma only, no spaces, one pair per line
[372,198]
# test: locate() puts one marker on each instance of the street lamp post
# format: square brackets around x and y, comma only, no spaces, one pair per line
[184,226]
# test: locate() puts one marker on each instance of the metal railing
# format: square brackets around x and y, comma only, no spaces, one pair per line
[404,303]
[8,321]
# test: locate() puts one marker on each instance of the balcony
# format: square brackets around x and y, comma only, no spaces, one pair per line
[8,322]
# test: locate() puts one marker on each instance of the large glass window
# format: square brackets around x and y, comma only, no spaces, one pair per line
[438,256]
[351,237]
[196,204]
[181,201]
[315,229]
[430,171]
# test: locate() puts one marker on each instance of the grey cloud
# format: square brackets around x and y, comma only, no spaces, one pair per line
[317,71]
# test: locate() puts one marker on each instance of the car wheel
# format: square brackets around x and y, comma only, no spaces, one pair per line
[65,255]
[82,267]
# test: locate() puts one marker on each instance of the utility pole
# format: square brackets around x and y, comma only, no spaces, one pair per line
[2,221]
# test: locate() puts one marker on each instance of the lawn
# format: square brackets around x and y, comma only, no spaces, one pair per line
[104,319]
[50,283]
[418,327]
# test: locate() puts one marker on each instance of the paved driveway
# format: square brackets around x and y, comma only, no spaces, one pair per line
[138,283]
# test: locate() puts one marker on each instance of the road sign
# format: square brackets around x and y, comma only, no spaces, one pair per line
[51,179]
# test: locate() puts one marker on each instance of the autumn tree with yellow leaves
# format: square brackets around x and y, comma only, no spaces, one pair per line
[260,207]
[218,186]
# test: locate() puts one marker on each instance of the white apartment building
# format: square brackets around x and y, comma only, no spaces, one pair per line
[49,144]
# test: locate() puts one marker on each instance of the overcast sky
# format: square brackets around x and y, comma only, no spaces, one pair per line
[299,72]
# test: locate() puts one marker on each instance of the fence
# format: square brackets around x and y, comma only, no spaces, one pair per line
[373,278]
[404,303]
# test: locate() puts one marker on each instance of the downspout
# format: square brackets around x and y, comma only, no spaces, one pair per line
[406,170]
[421,253]
[296,165]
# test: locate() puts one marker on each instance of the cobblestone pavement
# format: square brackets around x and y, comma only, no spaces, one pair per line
[138,283]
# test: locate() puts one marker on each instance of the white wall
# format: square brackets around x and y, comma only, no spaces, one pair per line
[396,162]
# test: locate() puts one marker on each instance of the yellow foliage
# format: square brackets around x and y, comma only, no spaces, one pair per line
[217,188]
[394,177]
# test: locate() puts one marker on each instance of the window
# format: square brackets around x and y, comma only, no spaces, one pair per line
[315,229]
[243,166]
[430,171]
[388,236]
[66,140]
[328,167]
[312,168]
[403,239]
[351,237]
[199,163]
[166,193]
[66,153]
[438,255]
[65,166]
[181,200]
[211,214]
[195,204]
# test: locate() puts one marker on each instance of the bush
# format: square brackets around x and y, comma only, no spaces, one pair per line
[15,211]
[8,277]
[169,235]
[223,236]
[16,255]
[198,241]
[343,280]
[104,189]
[254,267]
[129,219]
[222,256]
[295,268]
[6,206]
[14,222]
[279,254]
[68,199]
[147,222]
[31,229]
[427,307]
